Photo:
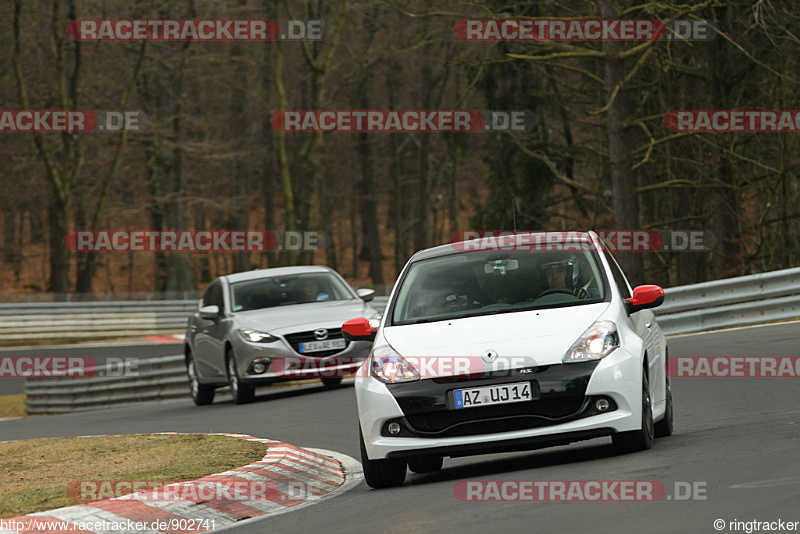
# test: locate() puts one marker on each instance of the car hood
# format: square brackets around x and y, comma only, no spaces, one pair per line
[536,337]
[283,320]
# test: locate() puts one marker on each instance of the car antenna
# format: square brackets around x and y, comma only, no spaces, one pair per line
[514,213]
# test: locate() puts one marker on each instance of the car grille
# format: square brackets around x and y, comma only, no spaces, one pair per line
[493,419]
[559,393]
[304,337]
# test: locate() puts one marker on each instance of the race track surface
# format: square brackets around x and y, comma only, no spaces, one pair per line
[737,439]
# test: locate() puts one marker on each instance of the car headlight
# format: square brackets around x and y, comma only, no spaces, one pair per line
[388,366]
[597,342]
[254,336]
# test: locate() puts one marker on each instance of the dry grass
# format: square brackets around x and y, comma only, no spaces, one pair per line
[12,405]
[35,474]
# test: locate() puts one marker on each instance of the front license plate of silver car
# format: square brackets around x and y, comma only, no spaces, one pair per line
[318,346]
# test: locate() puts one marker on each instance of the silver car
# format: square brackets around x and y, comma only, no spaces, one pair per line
[260,327]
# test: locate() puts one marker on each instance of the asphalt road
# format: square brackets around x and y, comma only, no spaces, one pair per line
[736,440]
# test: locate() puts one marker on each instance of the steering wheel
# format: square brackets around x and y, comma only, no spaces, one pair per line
[555,290]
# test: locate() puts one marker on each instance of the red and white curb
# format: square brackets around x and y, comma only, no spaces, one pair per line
[322,474]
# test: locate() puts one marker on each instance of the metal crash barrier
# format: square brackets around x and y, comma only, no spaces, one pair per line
[741,301]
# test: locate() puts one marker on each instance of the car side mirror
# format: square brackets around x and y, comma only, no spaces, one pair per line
[358,330]
[366,294]
[644,297]
[209,312]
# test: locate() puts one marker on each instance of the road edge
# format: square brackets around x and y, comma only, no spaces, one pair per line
[281,465]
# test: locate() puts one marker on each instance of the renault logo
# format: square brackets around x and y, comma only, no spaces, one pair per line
[489,356]
[321,333]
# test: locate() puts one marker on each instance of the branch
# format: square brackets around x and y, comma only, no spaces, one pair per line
[554,169]
[52,172]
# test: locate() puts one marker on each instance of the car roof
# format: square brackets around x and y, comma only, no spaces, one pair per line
[444,250]
[276,271]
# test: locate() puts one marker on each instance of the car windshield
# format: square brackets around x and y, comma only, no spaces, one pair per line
[488,282]
[286,290]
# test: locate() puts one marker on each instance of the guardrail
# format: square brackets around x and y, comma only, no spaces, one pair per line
[741,301]
[81,320]
[77,320]
[155,378]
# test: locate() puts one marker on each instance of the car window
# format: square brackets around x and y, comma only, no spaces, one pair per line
[271,292]
[487,282]
[213,296]
[619,278]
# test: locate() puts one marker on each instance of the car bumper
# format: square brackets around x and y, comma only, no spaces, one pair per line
[283,363]
[563,414]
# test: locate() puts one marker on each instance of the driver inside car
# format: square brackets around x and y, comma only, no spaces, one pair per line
[563,275]
[311,292]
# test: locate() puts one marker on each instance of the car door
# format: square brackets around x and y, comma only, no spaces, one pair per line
[644,324]
[209,335]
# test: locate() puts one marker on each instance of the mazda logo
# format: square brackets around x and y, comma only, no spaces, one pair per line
[321,333]
[489,356]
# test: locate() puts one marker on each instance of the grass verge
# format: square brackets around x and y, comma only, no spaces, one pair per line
[12,405]
[35,474]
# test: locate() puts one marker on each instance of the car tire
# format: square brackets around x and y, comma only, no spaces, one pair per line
[241,393]
[202,394]
[425,464]
[378,474]
[642,439]
[332,381]
[665,427]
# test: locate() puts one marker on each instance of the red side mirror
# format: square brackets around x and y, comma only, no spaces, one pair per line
[358,329]
[644,297]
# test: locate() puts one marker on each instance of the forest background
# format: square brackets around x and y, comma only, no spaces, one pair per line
[600,156]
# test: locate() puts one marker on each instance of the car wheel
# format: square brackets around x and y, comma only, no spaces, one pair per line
[242,393]
[665,427]
[425,464]
[642,439]
[385,473]
[202,394]
[332,381]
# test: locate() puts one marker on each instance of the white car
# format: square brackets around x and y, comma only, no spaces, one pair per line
[486,349]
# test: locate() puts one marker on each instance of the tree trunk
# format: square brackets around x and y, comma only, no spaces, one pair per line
[370,227]
[161,95]
[423,234]
[238,209]
[625,202]
[725,258]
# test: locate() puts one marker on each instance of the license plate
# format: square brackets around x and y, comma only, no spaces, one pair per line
[491,395]
[318,346]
